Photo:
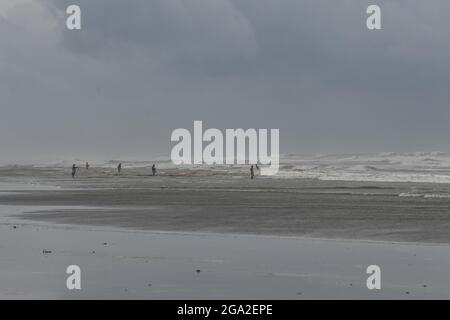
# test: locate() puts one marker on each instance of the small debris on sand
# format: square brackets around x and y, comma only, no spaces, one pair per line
[46,251]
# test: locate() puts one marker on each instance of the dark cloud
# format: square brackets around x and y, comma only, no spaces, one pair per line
[138,69]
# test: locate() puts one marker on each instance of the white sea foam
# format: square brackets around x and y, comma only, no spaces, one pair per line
[423,195]
[429,167]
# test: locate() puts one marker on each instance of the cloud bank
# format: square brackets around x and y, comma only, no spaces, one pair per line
[139,69]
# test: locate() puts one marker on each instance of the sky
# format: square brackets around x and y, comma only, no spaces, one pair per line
[138,69]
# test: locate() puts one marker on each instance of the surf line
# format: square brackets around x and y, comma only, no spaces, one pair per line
[241,147]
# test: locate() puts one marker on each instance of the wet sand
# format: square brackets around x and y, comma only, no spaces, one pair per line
[209,202]
[111,227]
[145,265]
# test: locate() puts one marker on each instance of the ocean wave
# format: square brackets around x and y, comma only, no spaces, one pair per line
[423,195]
[411,195]
[427,167]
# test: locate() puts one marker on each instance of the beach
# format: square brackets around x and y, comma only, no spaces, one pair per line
[199,233]
[147,265]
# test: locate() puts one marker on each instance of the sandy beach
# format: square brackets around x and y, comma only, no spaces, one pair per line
[201,234]
[146,265]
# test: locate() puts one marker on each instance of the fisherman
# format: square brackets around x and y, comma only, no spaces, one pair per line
[119,168]
[74,170]
[153,169]
[252,172]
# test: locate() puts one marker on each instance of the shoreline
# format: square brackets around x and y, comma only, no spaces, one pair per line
[299,209]
[88,227]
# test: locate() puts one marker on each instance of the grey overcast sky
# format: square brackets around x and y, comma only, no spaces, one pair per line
[140,68]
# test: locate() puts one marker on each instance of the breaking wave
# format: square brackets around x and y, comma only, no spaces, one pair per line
[424,167]
[422,195]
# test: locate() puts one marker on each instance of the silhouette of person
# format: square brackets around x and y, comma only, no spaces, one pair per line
[119,167]
[153,169]
[252,172]
[74,170]
[87,165]
[257,168]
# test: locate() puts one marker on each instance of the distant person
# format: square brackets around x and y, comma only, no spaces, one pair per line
[257,168]
[252,172]
[74,170]
[153,169]
[87,165]
[119,168]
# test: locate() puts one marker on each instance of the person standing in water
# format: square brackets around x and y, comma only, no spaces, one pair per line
[119,168]
[252,172]
[87,165]
[153,169]
[74,170]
